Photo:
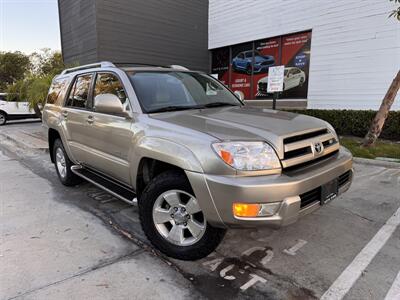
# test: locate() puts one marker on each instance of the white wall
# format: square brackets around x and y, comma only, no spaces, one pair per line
[355,47]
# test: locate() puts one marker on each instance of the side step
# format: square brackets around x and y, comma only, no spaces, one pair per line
[107,184]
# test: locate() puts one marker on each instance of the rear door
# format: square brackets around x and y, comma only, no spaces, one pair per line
[109,136]
[76,115]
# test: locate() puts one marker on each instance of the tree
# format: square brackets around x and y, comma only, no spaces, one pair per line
[380,117]
[33,88]
[13,67]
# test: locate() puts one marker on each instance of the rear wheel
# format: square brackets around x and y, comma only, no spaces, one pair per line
[63,165]
[173,221]
[3,118]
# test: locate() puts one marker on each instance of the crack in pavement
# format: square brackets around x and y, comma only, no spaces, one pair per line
[84,272]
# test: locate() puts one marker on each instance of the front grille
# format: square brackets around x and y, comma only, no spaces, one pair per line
[302,149]
[310,197]
[344,178]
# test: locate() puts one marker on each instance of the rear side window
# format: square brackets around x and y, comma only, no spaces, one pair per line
[79,94]
[107,83]
[55,91]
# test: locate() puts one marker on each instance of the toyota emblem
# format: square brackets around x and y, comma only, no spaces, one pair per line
[318,147]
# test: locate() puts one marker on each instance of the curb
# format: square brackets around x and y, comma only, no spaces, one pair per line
[22,144]
[378,163]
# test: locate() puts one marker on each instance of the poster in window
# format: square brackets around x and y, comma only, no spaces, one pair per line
[241,65]
[220,64]
[296,58]
[266,55]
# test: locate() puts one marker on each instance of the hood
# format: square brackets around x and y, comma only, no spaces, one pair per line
[243,123]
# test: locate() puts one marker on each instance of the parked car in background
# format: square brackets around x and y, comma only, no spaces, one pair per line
[196,158]
[14,110]
[294,77]
[244,60]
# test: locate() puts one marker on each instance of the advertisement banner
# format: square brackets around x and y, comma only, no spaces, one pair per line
[268,51]
[220,64]
[242,65]
[296,58]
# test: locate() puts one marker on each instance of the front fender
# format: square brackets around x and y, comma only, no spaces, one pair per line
[166,151]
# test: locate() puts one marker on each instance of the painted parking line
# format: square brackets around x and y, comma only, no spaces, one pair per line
[350,275]
[394,292]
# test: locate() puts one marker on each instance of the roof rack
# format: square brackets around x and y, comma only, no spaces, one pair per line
[101,64]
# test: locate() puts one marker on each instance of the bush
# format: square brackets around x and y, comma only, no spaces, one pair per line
[357,122]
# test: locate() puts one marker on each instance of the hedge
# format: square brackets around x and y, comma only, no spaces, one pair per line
[357,122]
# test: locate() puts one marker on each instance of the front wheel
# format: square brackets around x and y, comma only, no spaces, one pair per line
[173,221]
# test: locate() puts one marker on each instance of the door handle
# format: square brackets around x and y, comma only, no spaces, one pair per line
[90,119]
[65,114]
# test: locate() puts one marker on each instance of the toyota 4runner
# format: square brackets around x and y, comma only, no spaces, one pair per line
[190,152]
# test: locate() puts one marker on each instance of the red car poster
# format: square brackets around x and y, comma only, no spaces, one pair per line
[241,66]
[248,68]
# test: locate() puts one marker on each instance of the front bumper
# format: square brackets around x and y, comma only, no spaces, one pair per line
[217,194]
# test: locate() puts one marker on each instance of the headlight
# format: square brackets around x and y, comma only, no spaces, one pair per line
[248,156]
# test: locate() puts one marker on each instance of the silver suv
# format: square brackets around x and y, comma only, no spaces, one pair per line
[196,158]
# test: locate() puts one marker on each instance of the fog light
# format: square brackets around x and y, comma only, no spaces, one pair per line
[255,210]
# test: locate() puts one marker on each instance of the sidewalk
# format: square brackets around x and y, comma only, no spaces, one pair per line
[50,249]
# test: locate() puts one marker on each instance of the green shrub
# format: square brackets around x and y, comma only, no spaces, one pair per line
[357,122]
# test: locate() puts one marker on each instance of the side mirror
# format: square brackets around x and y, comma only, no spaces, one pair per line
[109,104]
[239,95]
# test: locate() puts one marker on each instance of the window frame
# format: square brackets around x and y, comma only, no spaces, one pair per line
[90,93]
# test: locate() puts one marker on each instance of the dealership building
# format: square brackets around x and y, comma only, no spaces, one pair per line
[336,54]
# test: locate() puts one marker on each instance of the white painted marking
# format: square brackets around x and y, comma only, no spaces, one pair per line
[267,258]
[255,278]
[292,251]
[250,251]
[350,275]
[213,263]
[394,292]
[226,270]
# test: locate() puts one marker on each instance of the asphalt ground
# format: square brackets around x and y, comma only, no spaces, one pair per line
[348,249]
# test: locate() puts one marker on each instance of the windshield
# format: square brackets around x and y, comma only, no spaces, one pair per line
[168,91]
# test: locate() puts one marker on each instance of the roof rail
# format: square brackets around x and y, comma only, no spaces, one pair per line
[178,67]
[101,64]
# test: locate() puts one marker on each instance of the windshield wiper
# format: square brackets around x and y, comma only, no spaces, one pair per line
[218,104]
[171,108]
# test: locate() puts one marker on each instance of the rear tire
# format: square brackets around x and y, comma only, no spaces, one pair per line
[187,235]
[63,165]
[3,118]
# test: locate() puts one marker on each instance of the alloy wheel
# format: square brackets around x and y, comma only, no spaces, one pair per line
[60,162]
[178,218]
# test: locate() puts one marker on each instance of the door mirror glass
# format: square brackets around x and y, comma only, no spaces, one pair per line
[239,94]
[109,104]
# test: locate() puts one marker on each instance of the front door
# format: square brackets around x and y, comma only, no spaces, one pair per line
[110,136]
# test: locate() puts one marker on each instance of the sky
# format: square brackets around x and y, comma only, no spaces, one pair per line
[29,25]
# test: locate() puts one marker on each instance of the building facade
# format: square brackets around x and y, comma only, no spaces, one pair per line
[337,54]
[160,32]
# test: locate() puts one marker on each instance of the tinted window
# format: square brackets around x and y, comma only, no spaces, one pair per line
[241,55]
[107,83]
[156,90]
[249,55]
[55,90]
[3,97]
[79,94]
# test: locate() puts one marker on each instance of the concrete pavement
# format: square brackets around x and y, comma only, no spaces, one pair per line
[53,250]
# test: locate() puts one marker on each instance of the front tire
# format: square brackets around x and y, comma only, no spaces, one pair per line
[172,219]
[3,118]
[63,165]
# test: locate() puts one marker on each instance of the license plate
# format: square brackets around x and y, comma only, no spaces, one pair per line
[329,191]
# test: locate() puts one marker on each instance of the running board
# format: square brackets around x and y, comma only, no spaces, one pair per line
[107,184]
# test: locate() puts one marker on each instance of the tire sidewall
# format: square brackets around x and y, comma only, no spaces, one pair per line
[5,119]
[70,178]
[162,183]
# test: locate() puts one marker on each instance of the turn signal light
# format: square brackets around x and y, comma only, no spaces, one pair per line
[246,210]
